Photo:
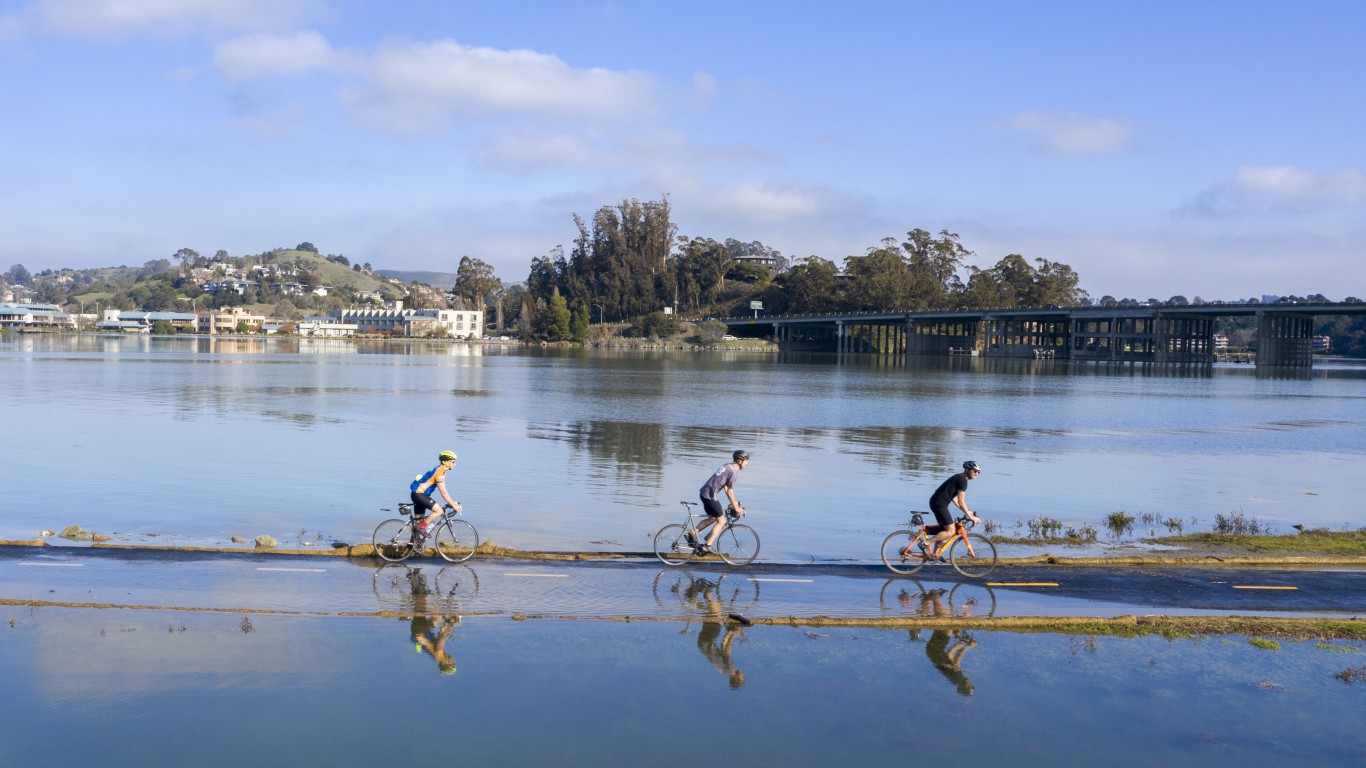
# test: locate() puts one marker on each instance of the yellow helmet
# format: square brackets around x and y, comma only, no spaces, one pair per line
[446,456]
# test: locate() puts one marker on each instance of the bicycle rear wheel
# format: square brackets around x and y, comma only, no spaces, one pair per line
[671,546]
[393,540]
[738,544]
[894,552]
[973,555]
[456,541]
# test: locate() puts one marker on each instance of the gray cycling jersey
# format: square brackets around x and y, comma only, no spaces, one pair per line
[724,478]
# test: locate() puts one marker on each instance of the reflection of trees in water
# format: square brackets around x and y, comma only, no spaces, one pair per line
[192,401]
[633,452]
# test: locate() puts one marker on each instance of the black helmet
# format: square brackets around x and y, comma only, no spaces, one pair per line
[971,466]
[740,456]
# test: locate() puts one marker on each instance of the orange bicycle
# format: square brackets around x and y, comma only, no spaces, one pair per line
[971,554]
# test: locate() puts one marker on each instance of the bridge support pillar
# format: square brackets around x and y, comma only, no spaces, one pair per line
[1284,341]
[1185,339]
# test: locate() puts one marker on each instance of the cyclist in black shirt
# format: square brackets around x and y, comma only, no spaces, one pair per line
[954,490]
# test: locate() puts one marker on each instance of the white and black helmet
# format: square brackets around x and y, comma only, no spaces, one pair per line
[971,466]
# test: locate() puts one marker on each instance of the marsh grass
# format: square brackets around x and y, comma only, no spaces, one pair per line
[1315,541]
[1120,523]
[1239,524]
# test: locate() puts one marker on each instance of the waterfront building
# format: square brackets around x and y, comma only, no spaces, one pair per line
[29,316]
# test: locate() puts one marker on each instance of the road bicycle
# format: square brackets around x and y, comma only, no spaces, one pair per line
[677,543]
[971,554]
[398,539]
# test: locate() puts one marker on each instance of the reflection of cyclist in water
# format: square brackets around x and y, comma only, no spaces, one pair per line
[430,630]
[702,592]
[719,653]
[948,659]
[930,602]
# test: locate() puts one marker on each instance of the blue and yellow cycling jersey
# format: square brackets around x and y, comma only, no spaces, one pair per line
[427,483]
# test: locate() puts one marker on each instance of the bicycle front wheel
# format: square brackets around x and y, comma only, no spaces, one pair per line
[671,546]
[973,555]
[738,544]
[393,540]
[894,554]
[456,541]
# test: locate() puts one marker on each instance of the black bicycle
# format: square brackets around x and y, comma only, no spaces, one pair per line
[455,540]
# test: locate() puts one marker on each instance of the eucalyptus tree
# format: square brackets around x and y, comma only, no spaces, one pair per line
[880,280]
[811,286]
[476,282]
[934,264]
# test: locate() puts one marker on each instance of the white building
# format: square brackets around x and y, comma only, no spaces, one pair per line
[48,316]
[456,323]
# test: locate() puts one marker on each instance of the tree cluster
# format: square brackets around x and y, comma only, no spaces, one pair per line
[628,262]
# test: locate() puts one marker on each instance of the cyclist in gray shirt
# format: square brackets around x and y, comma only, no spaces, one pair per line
[722,480]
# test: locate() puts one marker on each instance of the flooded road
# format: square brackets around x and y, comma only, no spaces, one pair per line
[278,660]
[646,589]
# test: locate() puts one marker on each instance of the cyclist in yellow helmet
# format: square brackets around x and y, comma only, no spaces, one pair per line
[424,486]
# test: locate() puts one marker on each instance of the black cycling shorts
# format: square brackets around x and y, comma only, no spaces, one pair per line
[942,514]
[712,507]
[422,504]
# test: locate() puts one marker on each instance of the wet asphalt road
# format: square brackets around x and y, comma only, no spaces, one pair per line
[647,589]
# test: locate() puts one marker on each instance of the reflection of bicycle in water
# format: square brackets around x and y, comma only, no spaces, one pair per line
[400,588]
[705,595]
[963,600]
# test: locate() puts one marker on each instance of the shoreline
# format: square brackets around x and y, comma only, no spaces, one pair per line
[1224,557]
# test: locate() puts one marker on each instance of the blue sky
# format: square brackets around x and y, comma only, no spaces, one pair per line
[1210,149]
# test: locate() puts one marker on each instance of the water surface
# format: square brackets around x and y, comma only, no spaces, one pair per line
[196,440]
[133,688]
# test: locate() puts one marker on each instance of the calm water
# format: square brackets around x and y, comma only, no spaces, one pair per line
[198,440]
[134,688]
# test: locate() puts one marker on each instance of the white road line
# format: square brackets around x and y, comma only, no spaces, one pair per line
[792,581]
[54,565]
[296,570]
[539,575]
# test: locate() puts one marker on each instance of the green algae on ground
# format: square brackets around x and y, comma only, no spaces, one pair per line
[1263,643]
[1313,541]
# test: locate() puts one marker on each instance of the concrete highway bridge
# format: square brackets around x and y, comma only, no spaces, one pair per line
[1162,334]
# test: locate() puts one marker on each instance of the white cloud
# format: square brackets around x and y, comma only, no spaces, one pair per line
[425,87]
[764,201]
[261,55]
[1069,133]
[1285,182]
[116,18]
[1260,189]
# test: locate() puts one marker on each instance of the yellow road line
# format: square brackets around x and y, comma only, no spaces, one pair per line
[1242,586]
[1022,583]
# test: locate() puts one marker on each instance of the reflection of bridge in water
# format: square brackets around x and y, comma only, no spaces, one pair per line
[1164,334]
